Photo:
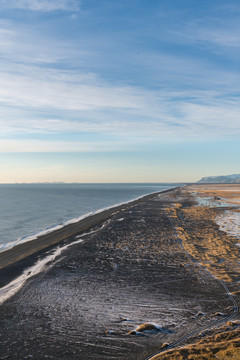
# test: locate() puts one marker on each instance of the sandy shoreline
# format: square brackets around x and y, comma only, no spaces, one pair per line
[14,260]
[163,262]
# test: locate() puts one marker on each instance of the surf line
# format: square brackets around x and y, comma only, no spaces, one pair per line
[34,236]
[14,286]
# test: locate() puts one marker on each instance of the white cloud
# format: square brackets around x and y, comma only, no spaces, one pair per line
[19,145]
[21,44]
[206,115]
[214,36]
[41,5]
[38,97]
[210,32]
[39,100]
[32,92]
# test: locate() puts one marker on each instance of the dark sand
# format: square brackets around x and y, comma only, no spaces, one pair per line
[132,271]
[14,260]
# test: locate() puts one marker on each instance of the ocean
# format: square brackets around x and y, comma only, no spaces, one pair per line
[28,210]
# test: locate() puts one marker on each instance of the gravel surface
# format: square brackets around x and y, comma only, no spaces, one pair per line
[88,303]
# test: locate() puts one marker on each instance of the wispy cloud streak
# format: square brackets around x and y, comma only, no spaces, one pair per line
[41,5]
[54,86]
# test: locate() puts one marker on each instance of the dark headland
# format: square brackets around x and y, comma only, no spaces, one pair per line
[157,278]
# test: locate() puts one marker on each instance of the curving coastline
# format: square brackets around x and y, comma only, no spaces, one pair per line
[148,279]
[15,259]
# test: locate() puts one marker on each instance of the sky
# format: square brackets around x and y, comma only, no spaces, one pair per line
[119,91]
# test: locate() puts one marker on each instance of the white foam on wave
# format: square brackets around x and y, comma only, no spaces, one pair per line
[14,286]
[34,236]
[41,233]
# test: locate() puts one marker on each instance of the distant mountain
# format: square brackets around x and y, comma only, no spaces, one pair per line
[225,179]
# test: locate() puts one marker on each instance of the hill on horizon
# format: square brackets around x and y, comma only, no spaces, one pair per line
[222,179]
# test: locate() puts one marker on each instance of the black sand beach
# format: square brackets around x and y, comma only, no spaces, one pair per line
[14,260]
[132,269]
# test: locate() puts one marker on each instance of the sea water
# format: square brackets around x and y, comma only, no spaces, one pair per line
[28,210]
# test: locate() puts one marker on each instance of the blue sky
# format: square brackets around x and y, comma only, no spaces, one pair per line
[119,91]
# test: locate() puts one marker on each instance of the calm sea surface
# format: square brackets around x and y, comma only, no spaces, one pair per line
[29,209]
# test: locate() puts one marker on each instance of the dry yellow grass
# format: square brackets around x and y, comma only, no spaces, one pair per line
[201,238]
[231,193]
[223,345]
[217,252]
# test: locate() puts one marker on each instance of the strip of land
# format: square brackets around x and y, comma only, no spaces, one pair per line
[14,260]
[160,274]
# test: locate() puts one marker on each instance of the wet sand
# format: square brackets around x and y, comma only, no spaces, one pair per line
[154,263]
